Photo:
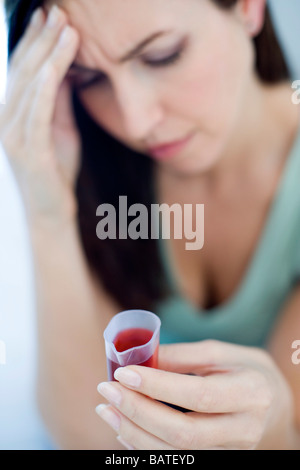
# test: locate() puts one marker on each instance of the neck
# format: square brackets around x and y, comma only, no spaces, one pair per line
[265,130]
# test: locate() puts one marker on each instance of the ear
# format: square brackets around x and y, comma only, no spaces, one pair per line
[252,15]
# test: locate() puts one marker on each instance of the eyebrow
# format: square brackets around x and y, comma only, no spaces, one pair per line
[129,55]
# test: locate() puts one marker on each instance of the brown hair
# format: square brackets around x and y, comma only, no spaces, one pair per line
[130,270]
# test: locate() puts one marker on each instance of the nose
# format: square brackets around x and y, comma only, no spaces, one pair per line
[140,108]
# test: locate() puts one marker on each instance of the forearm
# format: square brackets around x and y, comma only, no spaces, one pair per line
[71,318]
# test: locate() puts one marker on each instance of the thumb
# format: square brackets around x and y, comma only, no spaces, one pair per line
[200,358]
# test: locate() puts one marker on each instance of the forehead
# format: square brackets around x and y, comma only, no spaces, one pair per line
[115,26]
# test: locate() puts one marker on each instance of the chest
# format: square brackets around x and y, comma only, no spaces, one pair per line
[233,228]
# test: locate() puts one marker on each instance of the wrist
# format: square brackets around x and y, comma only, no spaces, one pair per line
[58,230]
[48,211]
[56,221]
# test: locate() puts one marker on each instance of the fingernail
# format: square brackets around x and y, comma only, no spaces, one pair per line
[124,443]
[109,416]
[111,393]
[66,37]
[37,17]
[54,17]
[128,377]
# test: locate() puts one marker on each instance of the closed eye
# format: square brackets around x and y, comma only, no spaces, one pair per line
[171,59]
[162,59]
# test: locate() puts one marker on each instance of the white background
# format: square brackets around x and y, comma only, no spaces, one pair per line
[20,427]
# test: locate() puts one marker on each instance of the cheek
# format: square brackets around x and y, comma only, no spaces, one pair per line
[211,89]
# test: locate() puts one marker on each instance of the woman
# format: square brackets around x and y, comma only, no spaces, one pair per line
[191,105]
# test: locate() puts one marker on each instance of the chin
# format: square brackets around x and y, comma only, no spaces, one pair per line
[192,164]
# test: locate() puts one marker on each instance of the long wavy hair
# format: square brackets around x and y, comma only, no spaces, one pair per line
[130,270]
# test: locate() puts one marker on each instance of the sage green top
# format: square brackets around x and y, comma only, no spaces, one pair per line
[249,315]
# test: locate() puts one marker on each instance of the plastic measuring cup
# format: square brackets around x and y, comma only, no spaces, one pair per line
[132,337]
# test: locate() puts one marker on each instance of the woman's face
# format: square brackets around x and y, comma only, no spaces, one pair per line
[189,80]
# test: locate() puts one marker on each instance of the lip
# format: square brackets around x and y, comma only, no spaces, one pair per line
[169,149]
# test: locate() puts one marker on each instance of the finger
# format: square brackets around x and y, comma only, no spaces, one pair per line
[35,56]
[43,106]
[234,391]
[153,417]
[192,357]
[235,431]
[13,78]
[177,430]
[33,29]
[132,434]
[45,42]
[36,107]
[189,357]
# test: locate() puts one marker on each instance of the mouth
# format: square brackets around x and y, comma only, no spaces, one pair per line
[169,149]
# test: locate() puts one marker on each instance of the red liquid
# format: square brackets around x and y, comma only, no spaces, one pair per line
[131,338]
